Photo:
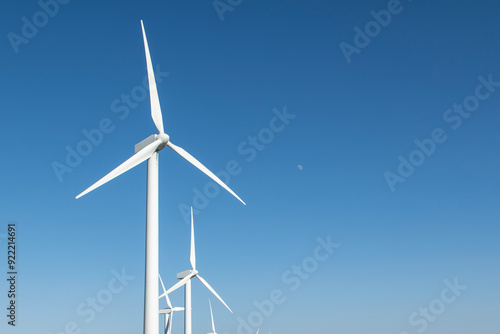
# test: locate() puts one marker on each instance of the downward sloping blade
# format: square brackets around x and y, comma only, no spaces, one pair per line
[178,284]
[192,257]
[213,291]
[153,92]
[200,166]
[136,159]
[212,315]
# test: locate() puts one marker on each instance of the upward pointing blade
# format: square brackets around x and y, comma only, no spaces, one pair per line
[192,257]
[153,92]
[211,315]
[200,166]
[164,291]
[133,161]
[162,285]
[213,291]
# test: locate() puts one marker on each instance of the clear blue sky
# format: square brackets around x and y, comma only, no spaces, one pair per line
[335,169]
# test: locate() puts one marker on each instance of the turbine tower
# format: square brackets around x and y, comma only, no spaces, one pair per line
[185,279]
[148,150]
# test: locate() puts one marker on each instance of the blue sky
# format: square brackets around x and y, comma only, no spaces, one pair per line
[415,228]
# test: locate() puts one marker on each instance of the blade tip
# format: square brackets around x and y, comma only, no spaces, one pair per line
[83,193]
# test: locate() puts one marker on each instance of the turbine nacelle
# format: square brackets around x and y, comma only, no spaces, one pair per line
[184,274]
[162,138]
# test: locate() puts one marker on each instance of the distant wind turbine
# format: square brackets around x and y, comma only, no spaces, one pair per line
[148,150]
[168,312]
[212,316]
[185,279]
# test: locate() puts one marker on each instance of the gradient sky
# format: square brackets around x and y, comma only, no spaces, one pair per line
[321,174]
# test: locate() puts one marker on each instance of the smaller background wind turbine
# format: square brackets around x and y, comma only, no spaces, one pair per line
[169,311]
[185,279]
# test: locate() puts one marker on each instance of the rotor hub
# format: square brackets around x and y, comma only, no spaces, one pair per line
[164,138]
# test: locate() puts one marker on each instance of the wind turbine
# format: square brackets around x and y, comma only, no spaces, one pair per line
[148,150]
[212,316]
[168,312]
[185,279]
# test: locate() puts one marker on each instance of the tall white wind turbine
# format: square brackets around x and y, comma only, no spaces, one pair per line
[185,279]
[148,150]
[169,311]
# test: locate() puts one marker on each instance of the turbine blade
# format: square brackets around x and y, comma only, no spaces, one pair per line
[133,161]
[166,296]
[258,331]
[168,301]
[161,281]
[200,166]
[178,284]
[211,315]
[192,257]
[153,92]
[167,323]
[213,291]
